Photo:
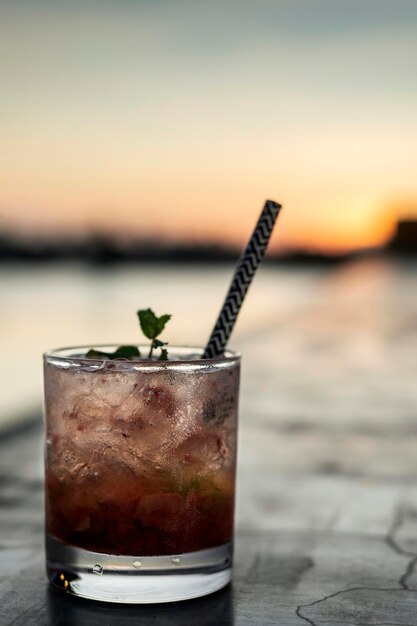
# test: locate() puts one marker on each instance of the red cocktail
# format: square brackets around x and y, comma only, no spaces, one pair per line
[140,471]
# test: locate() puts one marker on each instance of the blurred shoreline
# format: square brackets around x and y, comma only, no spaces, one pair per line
[105,249]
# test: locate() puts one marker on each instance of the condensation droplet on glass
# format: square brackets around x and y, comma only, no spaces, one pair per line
[137,564]
[176,560]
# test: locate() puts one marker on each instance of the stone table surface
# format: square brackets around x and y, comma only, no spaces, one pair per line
[327,497]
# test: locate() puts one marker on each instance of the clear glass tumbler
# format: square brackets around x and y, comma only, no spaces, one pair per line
[140,474]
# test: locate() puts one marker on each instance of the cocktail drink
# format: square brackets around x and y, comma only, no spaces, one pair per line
[141,458]
[140,474]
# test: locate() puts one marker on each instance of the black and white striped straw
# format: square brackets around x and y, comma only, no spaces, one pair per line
[245,270]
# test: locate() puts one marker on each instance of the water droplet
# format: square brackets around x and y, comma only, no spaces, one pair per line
[98,569]
[176,560]
[137,564]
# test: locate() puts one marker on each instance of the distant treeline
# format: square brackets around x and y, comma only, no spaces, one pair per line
[98,248]
[101,249]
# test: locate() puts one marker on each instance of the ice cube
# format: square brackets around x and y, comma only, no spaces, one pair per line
[159,403]
[89,408]
[203,452]
[112,387]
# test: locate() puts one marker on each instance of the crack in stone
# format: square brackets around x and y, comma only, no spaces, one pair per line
[332,595]
[390,539]
[305,619]
[339,593]
[408,572]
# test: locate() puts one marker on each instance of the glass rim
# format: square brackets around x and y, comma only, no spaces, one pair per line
[63,355]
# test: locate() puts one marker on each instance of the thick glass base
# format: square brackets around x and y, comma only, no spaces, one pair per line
[136,579]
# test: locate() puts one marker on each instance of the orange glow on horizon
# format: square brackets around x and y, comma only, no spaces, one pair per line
[130,119]
[335,231]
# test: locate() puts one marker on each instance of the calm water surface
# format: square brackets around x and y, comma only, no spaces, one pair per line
[316,328]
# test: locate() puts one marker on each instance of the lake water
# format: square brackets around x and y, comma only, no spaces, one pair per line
[310,338]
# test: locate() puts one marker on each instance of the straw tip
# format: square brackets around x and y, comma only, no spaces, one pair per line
[277,205]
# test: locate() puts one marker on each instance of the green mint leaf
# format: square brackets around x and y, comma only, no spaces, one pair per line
[161,323]
[164,355]
[122,352]
[148,323]
[125,352]
[152,326]
[96,354]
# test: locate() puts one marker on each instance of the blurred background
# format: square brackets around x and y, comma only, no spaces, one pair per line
[139,141]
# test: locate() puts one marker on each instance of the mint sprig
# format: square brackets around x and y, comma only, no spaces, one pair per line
[152,326]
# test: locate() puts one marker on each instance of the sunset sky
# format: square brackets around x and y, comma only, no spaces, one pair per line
[177,118]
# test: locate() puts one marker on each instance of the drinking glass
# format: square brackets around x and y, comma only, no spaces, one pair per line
[140,466]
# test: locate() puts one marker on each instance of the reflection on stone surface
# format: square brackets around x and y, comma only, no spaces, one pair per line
[213,610]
